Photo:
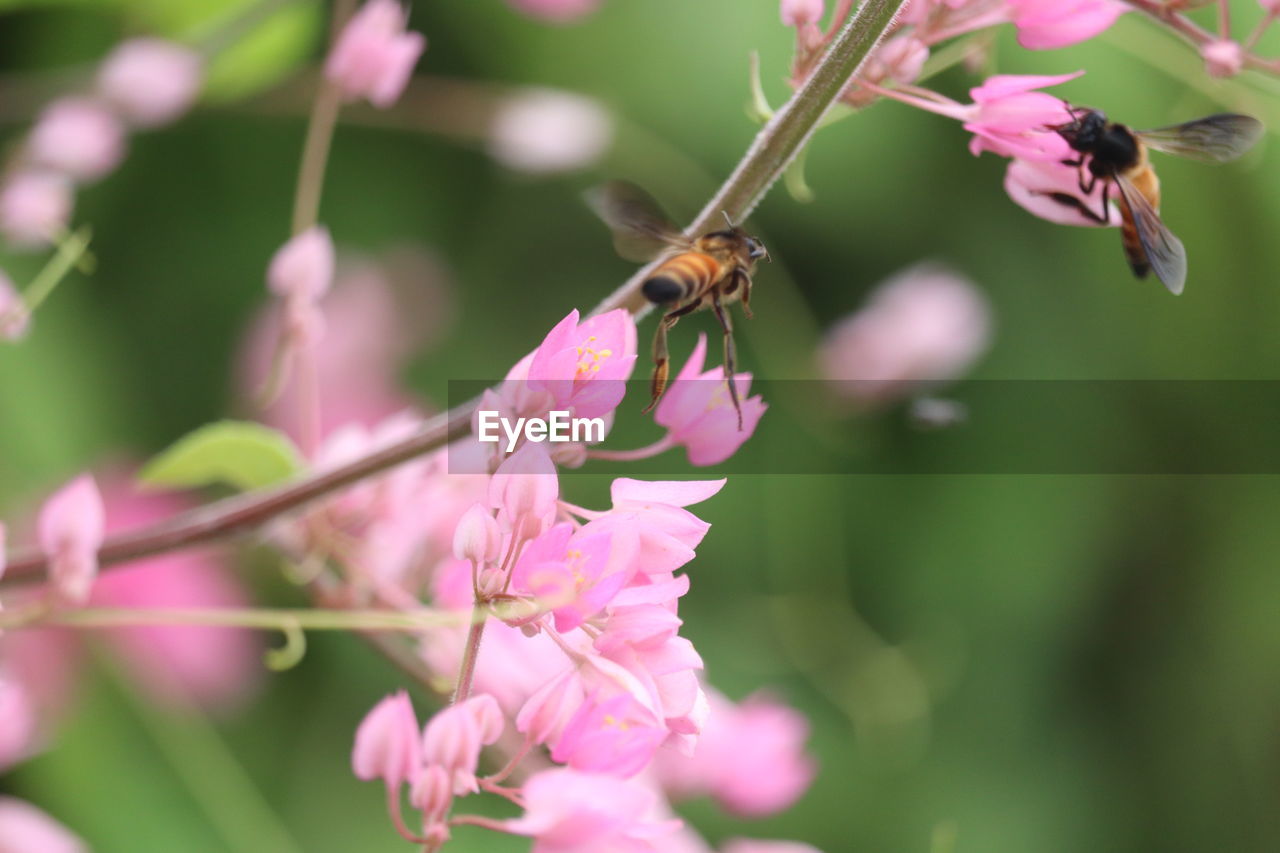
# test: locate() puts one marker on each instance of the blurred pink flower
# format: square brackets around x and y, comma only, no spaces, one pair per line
[556,11]
[18,717]
[388,744]
[77,136]
[568,811]
[26,829]
[1223,58]
[750,757]
[477,536]
[151,81]
[14,321]
[454,737]
[584,365]
[1045,24]
[798,12]
[751,845]
[215,668]
[374,56]
[546,130]
[303,267]
[900,59]
[525,489]
[575,574]
[70,531]
[698,412]
[616,735]
[924,325]
[1032,183]
[35,206]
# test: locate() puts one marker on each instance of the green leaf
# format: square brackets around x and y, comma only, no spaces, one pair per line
[241,454]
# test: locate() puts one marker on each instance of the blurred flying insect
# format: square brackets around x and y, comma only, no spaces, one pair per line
[713,270]
[1114,154]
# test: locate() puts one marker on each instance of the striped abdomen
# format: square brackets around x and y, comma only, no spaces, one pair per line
[684,276]
[1144,181]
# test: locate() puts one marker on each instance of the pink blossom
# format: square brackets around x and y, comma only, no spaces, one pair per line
[35,206]
[584,365]
[77,136]
[575,575]
[303,267]
[71,530]
[1223,58]
[750,758]
[568,811]
[901,58]
[454,737]
[374,56]
[18,722]
[26,829]
[555,11]
[543,131]
[924,325]
[699,413]
[388,746]
[525,489]
[477,536]
[1046,24]
[751,845]
[544,715]
[1009,119]
[617,735]
[1032,183]
[432,790]
[151,81]
[796,13]
[654,511]
[14,316]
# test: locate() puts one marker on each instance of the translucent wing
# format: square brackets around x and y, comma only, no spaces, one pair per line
[640,229]
[1164,251]
[1213,139]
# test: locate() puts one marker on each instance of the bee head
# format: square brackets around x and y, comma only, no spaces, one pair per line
[756,249]
[1085,129]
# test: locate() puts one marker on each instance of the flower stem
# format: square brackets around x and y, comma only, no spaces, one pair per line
[467,669]
[70,250]
[775,146]
[660,446]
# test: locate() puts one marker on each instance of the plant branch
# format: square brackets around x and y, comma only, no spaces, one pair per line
[774,148]
[1194,34]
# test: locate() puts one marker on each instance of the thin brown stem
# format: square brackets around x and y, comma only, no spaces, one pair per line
[1194,34]
[471,652]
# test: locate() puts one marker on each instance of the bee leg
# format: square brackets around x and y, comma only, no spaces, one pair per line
[730,354]
[661,358]
[1068,200]
[746,295]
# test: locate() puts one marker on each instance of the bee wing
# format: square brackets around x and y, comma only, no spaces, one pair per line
[1213,139]
[1164,251]
[640,228]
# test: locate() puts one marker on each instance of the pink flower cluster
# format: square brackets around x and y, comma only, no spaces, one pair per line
[80,138]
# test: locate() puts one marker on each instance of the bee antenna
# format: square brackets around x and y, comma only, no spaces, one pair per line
[726,218]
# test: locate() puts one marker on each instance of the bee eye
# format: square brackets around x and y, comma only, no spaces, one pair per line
[755,248]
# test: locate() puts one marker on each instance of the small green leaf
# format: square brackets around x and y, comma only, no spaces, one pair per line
[240,454]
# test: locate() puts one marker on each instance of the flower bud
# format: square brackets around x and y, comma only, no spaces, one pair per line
[77,136]
[1222,58]
[14,319]
[70,531]
[35,206]
[798,12]
[452,739]
[387,745]
[477,536]
[303,267]
[544,130]
[151,81]
[374,55]
[525,485]
[431,792]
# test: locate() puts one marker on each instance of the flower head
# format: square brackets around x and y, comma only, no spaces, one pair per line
[35,205]
[569,811]
[454,737]
[698,411]
[1045,24]
[71,530]
[1010,119]
[796,13]
[303,267]
[388,746]
[584,365]
[1035,186]
[77,136]
[1223,57]
[374,56]
[545,130]
[151,81]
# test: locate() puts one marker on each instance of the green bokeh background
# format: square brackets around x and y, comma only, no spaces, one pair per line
[1035,663]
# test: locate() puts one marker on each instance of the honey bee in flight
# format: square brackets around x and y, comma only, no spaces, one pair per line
[713,271]
[1114,154]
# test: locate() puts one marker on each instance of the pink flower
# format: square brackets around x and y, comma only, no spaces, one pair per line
[525,489]
[542,131]
[584,365]
[477,536]
[924,325]
[388,745]
[18,718]
[575,575]
[750,758]
[35,206]
[303,267]
[374,56]
[699,414]
[151,81]
[667,533]
[1009,119]
[77,136]
[14,317]
[544,715]
[617,735]
[71,530]
[556,11]
[568,811]
[26,829]
[1045,24]
[796,13]
[454,737]
[1223,58]
[901,58]
[1032,183]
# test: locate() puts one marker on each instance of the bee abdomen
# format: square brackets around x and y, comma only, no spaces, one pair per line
[681,277]
[1133,250]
